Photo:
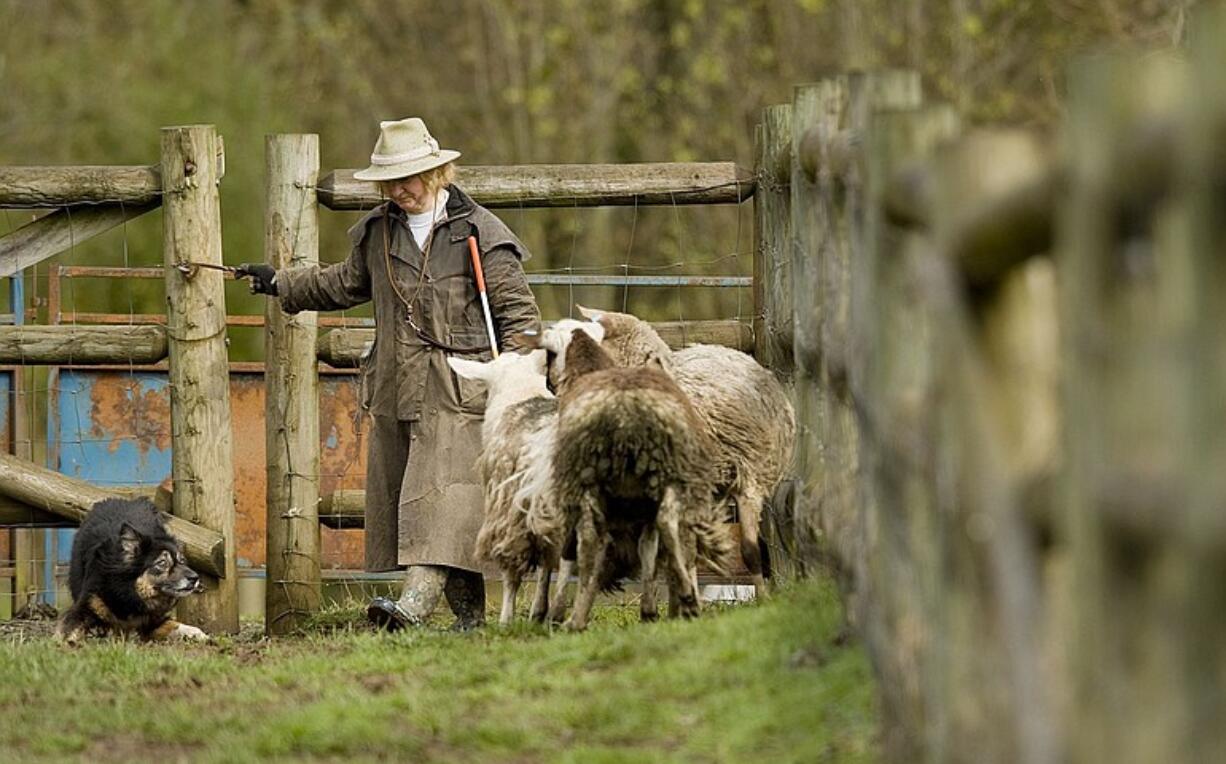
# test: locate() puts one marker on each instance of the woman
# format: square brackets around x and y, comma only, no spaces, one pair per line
[411,257]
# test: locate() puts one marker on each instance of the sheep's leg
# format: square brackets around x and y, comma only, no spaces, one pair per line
[566,569]
[510,588]
[540,602]
[668,520]
[749,506]
[649,544]
[593,545]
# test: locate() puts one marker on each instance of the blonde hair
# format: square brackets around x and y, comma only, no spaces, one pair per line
[432,180]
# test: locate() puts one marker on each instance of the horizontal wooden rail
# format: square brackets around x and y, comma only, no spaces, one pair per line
[78,344]
[68,497]
[343,509]
[62,186]
[570,185]
[343,348]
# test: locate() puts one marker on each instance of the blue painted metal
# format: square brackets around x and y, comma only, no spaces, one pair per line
[91,450]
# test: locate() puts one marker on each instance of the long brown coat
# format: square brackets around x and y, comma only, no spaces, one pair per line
[423,495]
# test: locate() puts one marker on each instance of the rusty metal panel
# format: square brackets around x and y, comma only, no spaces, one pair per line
[113,428]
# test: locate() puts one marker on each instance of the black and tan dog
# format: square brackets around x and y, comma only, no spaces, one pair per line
[127,572]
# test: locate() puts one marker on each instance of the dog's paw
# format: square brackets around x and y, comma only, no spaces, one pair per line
[185,633]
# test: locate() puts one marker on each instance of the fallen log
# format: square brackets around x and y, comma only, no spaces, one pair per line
[64,496]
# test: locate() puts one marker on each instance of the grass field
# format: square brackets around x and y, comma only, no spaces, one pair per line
[772,682]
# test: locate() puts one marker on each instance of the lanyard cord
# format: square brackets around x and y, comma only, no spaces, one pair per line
[428,338]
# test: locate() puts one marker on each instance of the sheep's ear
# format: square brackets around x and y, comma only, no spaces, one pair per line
[595,330]
[129,542]
[468,369]
[591,314]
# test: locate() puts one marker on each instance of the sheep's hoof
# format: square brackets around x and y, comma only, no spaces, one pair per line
[688,607]
[648,616]
[571,625]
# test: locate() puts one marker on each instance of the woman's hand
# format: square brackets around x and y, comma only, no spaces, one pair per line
[263,277]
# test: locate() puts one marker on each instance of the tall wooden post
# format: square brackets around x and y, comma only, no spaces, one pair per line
[829,120]
[773,242]
[894,538]
[202,464]
[291,239]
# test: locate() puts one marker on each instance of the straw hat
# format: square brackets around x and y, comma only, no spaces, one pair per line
[404,148]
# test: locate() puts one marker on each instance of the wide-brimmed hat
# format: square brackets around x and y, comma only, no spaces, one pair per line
[404,148]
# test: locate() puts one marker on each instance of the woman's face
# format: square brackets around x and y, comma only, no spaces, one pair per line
[409,194]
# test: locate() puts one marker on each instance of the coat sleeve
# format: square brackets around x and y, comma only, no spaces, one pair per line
[338,286]
[511,300]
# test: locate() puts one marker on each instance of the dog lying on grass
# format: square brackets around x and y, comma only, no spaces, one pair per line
[126,575]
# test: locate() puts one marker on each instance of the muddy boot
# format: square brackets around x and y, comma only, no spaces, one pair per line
[466,595]
[423,586]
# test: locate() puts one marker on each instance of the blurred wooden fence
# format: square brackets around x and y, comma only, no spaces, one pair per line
[1009,360]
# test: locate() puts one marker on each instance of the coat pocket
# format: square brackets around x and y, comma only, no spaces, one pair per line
[470,395]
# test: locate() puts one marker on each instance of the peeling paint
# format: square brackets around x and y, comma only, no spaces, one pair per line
[114,429]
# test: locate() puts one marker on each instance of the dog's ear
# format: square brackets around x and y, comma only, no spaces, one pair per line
[129,542]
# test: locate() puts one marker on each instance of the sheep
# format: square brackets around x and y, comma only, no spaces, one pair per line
[745,411]
[523,528]
[631,473]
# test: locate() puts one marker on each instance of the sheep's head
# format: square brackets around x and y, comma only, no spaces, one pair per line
[630,340]
[508,369]
[558,337]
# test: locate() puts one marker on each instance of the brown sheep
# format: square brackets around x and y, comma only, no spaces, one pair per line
[631,469]
[745,412]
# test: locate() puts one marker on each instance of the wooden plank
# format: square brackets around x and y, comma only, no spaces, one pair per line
[59,232]
[60,186]
[68,497]
[343,348]
[202,468]
[78,344]
[291,414]
[569,185]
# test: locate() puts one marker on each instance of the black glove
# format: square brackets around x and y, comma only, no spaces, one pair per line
[263,277]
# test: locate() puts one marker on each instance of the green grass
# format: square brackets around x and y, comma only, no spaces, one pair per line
[774,682]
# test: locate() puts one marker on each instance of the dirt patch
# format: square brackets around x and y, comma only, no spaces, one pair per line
[133,748]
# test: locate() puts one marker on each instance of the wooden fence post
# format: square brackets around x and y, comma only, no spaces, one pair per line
[202,461]
[773,242]
[772,290]
[291,239]
[1143,285]
[895,533]
[829,120]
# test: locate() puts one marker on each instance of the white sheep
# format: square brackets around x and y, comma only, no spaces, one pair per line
[522,529]
[631,472]
[745,410]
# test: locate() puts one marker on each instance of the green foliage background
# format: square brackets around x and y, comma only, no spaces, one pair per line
[86,82]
